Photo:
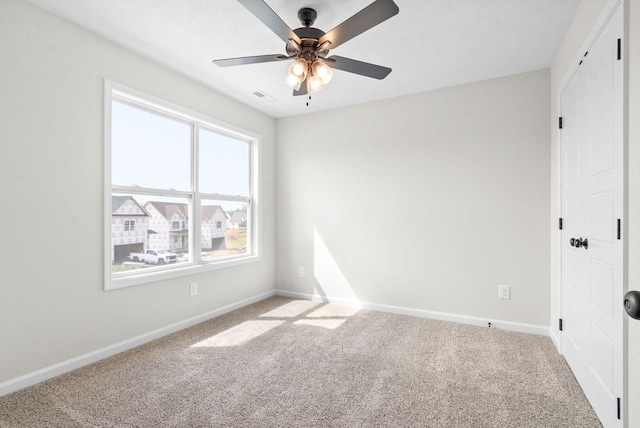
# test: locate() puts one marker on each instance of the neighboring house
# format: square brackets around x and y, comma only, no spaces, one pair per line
[214,227]
[129,224]
[238,219]
[169,226]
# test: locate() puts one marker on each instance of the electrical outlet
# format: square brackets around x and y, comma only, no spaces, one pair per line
[504,292]
[193,289]
[301,272]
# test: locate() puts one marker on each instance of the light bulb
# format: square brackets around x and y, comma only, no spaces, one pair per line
[297,72]
[323,71]
[314,83]
[299,67]
[293,81]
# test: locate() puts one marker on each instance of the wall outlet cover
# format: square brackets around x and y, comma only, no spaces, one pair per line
[504,292]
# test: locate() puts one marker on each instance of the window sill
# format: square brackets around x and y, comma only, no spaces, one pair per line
[186,270]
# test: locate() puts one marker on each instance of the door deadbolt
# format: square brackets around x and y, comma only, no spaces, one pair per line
[632,304]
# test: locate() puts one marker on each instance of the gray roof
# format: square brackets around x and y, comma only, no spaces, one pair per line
[168,209]
[118,201]
[209,210]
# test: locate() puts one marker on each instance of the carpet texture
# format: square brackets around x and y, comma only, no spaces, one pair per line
[292,363]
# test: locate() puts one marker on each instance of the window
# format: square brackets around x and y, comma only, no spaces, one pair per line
[181,175]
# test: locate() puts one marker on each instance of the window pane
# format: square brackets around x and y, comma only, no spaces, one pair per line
[156,153]
[148,231]
[149,150]
[223,229]
[224,164]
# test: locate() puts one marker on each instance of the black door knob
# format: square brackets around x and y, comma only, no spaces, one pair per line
[572,241]
[581,243]
[632,304]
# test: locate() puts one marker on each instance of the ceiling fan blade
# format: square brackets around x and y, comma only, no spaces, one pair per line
[229,62]
[303,89]
[367,18]
[264,13]
[358,67]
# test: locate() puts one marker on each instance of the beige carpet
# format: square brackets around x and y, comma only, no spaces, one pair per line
[291,363]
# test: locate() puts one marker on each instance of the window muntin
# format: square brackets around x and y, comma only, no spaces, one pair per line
[151,146]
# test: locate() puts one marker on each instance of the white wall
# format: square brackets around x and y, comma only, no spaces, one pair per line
[52,303]
[425,202]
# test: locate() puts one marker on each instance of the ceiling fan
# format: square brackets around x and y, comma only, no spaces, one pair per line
[309,46]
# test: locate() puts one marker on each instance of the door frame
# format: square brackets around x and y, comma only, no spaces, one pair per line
[607,11]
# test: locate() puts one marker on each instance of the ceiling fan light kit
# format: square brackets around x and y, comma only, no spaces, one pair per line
[309,46]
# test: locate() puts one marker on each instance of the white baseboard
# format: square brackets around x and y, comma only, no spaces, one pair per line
[46,373]
[483,322]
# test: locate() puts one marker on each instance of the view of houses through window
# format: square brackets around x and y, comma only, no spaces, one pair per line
[181,188]
[140,224]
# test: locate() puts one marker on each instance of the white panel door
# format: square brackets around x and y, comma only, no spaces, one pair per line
[575,275]
[592,204]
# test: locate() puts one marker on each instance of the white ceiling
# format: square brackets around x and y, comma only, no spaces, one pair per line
[430,44]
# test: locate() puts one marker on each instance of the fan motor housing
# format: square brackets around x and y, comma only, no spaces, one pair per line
[309,37]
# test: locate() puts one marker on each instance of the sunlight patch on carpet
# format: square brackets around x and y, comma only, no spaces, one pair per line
[333,310]
[238,335]
[291,309]
[331,324]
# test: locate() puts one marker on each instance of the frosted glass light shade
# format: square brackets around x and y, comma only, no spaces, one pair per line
[323,71]
[314,83]
[297,72]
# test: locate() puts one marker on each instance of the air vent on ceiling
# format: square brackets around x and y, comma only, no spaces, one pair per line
[263,96]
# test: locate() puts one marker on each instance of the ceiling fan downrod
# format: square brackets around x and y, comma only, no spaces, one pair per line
[307,16]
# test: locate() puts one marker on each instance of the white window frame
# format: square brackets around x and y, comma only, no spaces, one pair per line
[195,265]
